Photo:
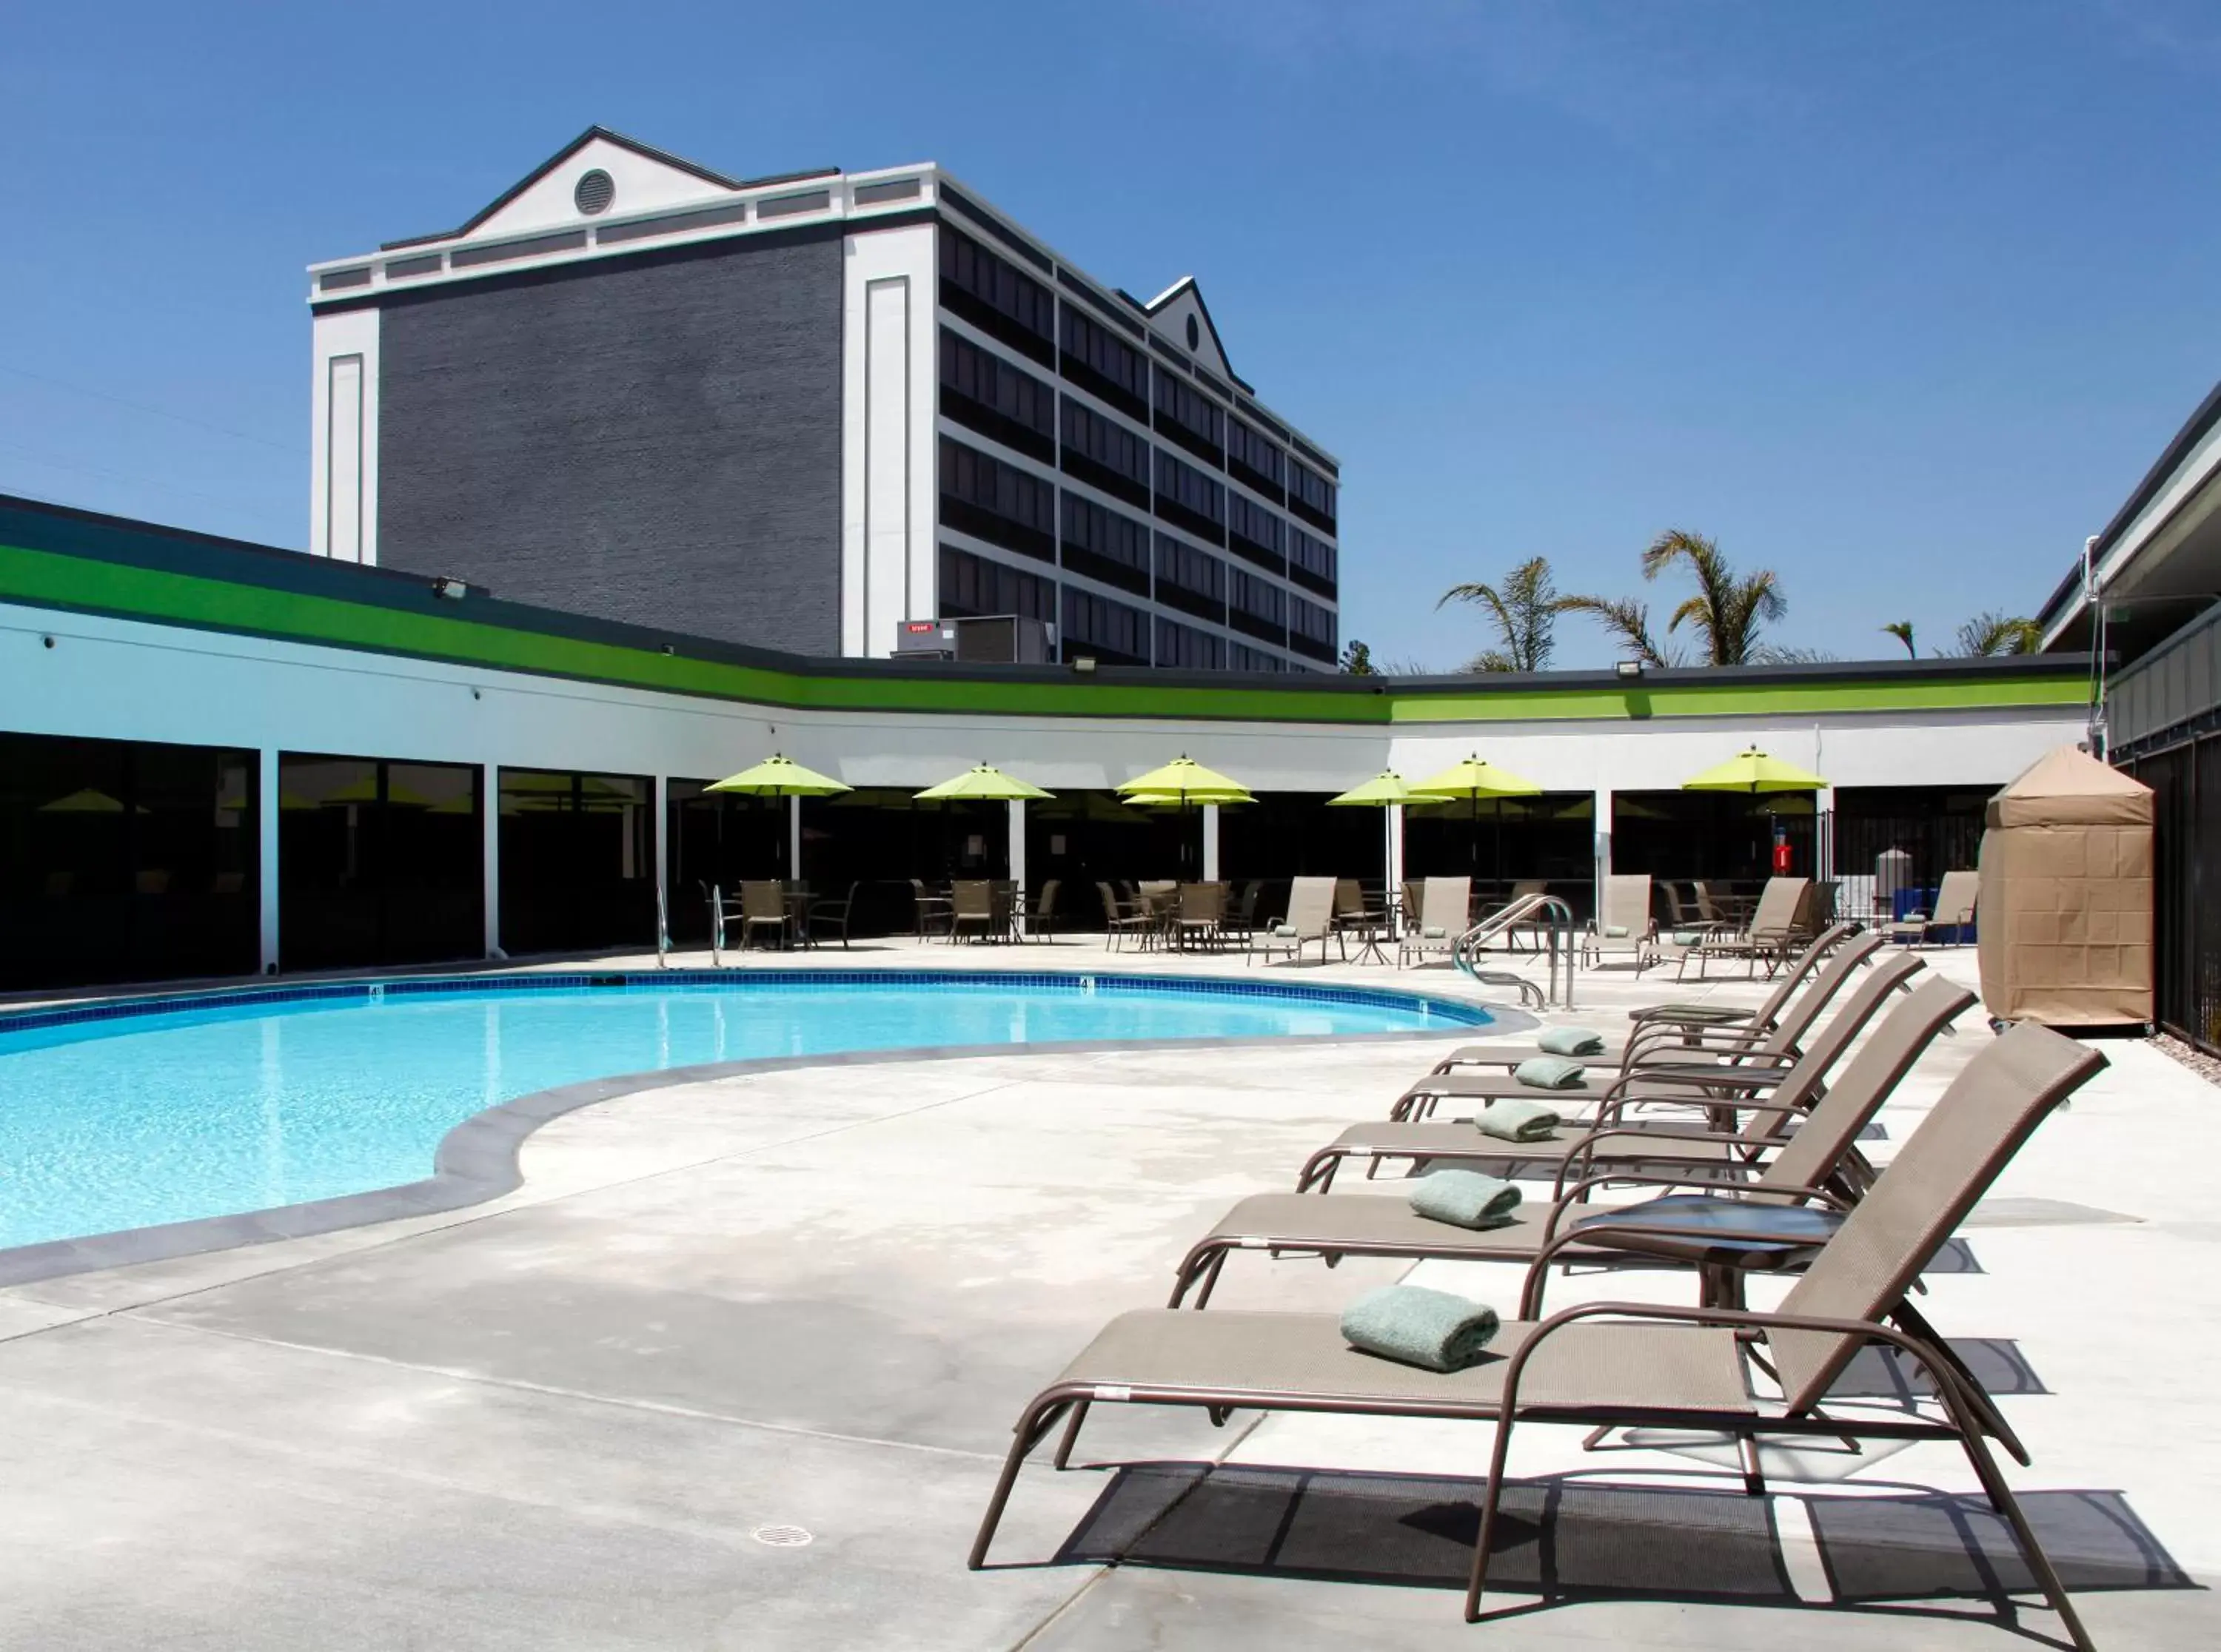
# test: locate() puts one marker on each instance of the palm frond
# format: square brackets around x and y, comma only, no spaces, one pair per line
[1902,630]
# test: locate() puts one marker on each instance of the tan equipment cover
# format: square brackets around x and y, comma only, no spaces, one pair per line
[2063,918]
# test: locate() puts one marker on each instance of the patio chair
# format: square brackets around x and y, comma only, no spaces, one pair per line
[1239,922]
[1818,1165]
[1770,934]
[976,911]
[1606,1365]
[1443,903]
[1201,914]
[1955,911]
[1772,1091]
[1310,918]
[763,907]
[1412,890]
[1120,917]
[827,914]
[932,908]
[1041,916]
[1625,927]
[1778,1025]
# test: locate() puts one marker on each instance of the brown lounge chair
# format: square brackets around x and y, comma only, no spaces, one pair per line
[1770,934]
[1795,1089]
[1818,1163]
[1787,1021]
[1614,1364]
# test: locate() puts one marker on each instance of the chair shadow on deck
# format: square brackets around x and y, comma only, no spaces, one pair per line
[1567,1539]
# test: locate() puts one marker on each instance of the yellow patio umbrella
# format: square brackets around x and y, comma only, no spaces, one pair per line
[1473,780]
[982,782]
[778,775]
[1189,782]
[1384,791]
[87,802]
[1754,772]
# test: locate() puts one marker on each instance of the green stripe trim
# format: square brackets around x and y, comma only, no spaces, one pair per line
[125,591]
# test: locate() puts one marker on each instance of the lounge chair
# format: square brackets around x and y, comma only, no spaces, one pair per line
[1722,1091]
[1819,1162]
[1663,1032]
[1955,911]
[1771,933]
[1443,903]
[1614,1364]
[1624,928]
[1310,918]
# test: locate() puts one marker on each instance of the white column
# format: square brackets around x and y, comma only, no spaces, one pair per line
[1211,843]
[794,839]
[490,814]
[1603,845]
[1392,824]
[265,831]
[1018,856]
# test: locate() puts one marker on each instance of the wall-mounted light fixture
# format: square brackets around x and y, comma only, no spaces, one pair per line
[454,590]
[1629,668]
[1084,663]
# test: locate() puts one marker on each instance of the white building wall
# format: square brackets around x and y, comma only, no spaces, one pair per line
[888,571]
[343,437]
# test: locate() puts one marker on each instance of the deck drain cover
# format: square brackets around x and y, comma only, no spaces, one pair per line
[781,1536]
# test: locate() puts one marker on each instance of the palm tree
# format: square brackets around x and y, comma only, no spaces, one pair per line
[1357,660]
[1902,630]
[1524,610]
[1726,610]
[1627,620]
[1993,632]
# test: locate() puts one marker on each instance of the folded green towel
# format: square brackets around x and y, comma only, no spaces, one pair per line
[1464,1198]
[1550,1073]
[1433,933]
[1616,931]
[1517,1121]
[1569,1041]
[1414,1325]
[1688,938]
[1283,931]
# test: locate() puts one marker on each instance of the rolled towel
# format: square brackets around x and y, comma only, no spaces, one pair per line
[1413,1325]
[1517,1121]
[1688,938]
[1464,1199]
[1433,933]
[1283,931]
[1550,1073]
[1569,1041]
[1616,931]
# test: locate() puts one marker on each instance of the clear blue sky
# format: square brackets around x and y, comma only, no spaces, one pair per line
[1897,298]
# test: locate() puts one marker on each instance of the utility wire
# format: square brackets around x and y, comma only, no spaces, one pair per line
[158,413]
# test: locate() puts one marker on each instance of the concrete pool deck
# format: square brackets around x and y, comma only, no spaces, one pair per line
[589,1413]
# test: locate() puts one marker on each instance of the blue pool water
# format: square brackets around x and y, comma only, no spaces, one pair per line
[125,1122]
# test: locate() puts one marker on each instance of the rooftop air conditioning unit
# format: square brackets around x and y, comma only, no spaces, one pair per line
[980,639]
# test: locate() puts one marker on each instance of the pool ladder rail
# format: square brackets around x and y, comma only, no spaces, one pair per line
[1545,913]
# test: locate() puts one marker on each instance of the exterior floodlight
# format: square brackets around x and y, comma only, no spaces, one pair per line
[1630,668]
[1084,663]
[454,589]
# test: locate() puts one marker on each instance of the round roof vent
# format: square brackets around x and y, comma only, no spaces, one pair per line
[1194,332]
[596,190]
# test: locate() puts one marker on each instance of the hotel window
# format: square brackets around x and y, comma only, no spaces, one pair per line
[1183,647]
[1190,498]
[1104,454]
[1111,631]
[1253,533]
[578,860]
[1311,561]
[984,393]
[974,585]
[997,502]
[1240,656]
[1191,580]
[1190,418]
[997,297]
[1099,361]
[1253,459]
[1256,606]
[1311,495]
[1106,545]
[1311,629]
[379,862]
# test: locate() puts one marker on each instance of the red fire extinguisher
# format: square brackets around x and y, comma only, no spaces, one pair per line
[1781,854]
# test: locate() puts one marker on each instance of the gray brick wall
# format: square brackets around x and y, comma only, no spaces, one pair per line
[657,442]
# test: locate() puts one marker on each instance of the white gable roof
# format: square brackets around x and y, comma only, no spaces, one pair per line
[1179,316]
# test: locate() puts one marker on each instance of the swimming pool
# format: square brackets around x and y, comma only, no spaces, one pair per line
[149,1111]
